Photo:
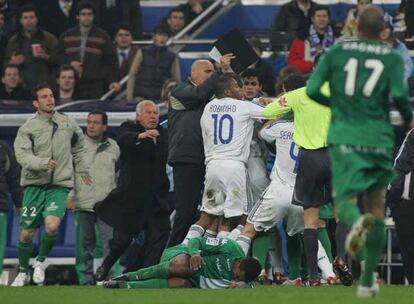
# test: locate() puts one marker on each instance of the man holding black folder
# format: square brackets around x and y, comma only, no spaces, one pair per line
[186,154]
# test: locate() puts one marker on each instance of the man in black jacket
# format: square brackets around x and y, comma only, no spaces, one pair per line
[186,153]
[9,183]
[400,199]
[140,200]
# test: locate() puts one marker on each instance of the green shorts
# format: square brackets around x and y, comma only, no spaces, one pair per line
[172,252]
[356,169]
[40,202]
[326,212]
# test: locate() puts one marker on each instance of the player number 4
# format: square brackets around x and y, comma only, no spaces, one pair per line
[351,69]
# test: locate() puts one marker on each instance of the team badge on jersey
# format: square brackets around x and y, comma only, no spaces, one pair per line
[282,101]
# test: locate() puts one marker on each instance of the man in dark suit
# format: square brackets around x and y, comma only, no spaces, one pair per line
[140,201]
[56,16]
[124,49]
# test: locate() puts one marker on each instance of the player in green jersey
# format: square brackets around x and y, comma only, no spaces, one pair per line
[203,263]
[362,74]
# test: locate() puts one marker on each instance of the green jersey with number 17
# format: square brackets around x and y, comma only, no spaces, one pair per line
[362,76]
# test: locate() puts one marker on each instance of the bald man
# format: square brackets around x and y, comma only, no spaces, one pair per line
[186,153]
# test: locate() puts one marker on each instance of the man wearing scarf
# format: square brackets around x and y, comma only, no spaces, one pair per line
[317,39]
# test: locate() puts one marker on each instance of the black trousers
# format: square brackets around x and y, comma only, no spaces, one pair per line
[403,215]
[188,183]
[157,231]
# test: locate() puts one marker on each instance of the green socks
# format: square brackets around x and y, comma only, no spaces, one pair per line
[260,247]
[159,271]
[348,212]
[373,247]
[154,283]
[24,251]
[326,242]
[294,251]
[46,246]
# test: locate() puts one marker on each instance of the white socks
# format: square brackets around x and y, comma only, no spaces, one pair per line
[244,243]
[323,263]
[223,234]
[236,232]
[194,232]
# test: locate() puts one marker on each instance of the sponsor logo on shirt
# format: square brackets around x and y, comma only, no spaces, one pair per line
[52,207]
[213,241]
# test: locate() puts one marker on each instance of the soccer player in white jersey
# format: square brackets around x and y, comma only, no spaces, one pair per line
[227,129]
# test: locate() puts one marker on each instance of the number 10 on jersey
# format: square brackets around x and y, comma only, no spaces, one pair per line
[220,123]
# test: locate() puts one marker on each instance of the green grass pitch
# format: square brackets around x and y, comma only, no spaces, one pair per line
[259,295]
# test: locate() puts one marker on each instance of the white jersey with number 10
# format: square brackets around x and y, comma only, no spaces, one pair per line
[227,127]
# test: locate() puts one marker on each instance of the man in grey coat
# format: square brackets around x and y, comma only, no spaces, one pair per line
[101,153]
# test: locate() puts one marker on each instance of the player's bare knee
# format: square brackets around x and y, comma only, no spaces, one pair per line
[206,220]
[26,235]
[249,231]
[52,225]
[180,266]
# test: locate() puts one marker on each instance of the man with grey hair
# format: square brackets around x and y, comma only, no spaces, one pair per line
[140,200]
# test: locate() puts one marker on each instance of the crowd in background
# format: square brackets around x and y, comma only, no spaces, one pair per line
[82,49]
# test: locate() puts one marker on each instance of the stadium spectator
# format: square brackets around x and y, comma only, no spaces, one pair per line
[140,200]
[175,20]
[317,39]
[9,183]
[57,16]
[66,81]
[389,37]
[409,18]
[201,265]
[283,74]
[350,30]
[90,51]
[32,49]
[4,37]
[50,148]
[111,14]
[262,68]
[125,50]
[8,10]
[400,201]
[291,18]
[193,8]
[185,142]
[398,22]
[101,153]
[152,66]
[11,87]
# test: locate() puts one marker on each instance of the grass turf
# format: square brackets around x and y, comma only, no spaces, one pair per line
[259,295]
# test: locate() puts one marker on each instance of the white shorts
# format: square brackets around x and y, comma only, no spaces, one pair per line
[258,178]
[225,188]
[276,206]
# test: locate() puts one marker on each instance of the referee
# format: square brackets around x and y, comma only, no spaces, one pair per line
[313,179]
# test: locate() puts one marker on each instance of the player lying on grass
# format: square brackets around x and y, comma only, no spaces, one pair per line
[203,263]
